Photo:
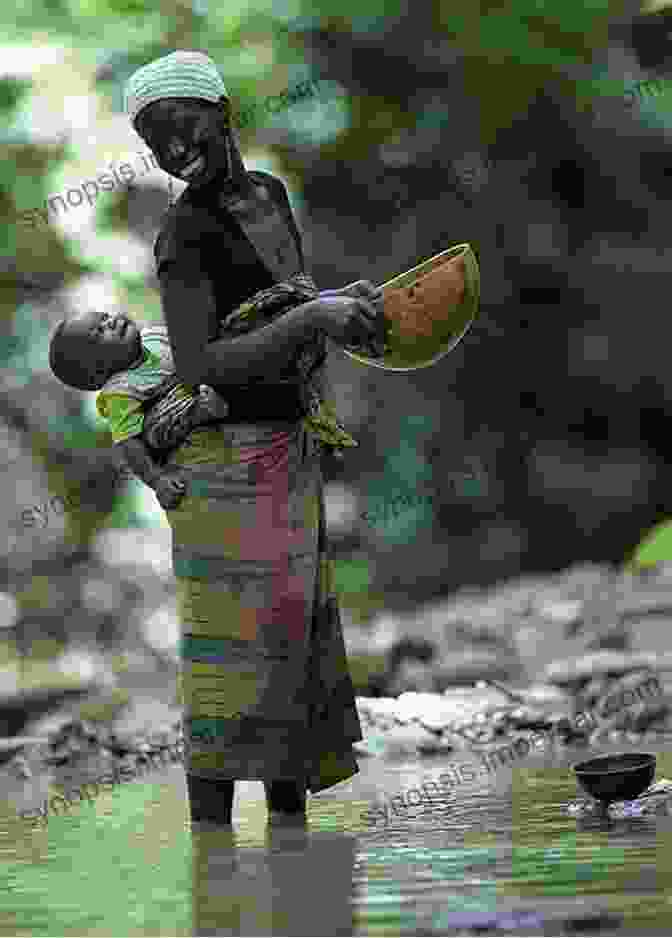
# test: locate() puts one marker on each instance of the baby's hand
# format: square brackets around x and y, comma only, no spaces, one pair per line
[170,490]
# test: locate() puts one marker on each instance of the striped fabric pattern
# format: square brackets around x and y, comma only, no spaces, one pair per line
[266,688]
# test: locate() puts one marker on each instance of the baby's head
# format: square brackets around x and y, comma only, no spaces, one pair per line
[88,348]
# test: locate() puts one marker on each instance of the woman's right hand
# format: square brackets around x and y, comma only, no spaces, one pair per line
[348,321]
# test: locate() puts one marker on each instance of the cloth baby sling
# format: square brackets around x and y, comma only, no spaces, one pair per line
[168,422]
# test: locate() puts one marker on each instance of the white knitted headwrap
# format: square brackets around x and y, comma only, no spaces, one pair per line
[180,74]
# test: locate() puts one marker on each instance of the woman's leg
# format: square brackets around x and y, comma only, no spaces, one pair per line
[210,800]
[287,797]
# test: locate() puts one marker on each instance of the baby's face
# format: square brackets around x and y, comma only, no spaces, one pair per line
[109,341]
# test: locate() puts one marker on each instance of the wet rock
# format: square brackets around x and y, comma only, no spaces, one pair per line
[413,706]
[541,694]
[634,738]
[437,745]
[73,731]
[499,723]
[18,710]
[591,666]
[163,737]
[409,666]
[614,638]
[559,612]
[593,691]
[632,702]
[411,675]
[19,767]
[565,730]
[438,715]
[465,668]
[529,719]
[122,746]
[371,745]
[572,680]
[597,737]
[59,757]
[407,740]
[656,714]
[16,746]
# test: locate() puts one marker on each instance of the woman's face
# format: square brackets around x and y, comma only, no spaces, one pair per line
[189,138]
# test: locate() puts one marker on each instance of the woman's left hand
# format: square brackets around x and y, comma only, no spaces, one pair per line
[368,291]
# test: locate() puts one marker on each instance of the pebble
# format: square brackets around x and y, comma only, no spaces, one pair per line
[597,737]
[407,739]
[547,693]
[19,767]
[434,722]
[434,746]
[595,664]
[566,612]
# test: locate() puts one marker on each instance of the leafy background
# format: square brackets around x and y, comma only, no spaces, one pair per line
[504,125]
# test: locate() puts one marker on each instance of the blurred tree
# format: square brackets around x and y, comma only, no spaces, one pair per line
[555,392]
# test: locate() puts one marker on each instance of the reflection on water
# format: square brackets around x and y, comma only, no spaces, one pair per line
[500,852]
[298,883]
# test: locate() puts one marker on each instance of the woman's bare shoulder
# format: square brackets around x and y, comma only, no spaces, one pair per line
[274,182]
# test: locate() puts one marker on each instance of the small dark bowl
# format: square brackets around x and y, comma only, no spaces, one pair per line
[618,776]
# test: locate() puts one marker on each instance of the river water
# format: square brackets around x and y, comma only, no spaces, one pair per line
[129,864]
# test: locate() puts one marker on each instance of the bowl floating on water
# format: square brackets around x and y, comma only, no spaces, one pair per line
[618,776]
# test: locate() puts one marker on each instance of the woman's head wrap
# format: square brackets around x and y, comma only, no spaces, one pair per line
[177,75]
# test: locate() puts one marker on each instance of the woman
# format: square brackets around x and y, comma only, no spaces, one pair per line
[266,687]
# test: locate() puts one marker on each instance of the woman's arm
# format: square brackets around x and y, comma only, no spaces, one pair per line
[191,318]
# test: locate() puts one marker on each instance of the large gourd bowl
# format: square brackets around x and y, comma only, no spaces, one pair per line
[618,776]
[427,311]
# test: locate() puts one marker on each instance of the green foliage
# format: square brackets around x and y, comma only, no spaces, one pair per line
[509,55]
[107,709]
[406,472]
[129,7]
[655,547]
[126,512]
[352,575]
[363,667]
[12,90]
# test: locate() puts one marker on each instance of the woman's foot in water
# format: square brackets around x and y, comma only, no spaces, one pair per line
[286,802]
[210,802]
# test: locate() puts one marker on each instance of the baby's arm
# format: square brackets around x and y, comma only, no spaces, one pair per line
[167,485]
[127,423]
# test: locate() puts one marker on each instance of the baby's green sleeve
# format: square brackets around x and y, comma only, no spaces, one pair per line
[124,415]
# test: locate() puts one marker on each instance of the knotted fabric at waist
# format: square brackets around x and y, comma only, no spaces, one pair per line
[262,402]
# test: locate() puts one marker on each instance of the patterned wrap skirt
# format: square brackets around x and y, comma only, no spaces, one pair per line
[265,685]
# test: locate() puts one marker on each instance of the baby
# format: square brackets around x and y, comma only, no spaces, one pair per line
[134,371]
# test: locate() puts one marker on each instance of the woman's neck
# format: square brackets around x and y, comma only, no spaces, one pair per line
[238,183]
